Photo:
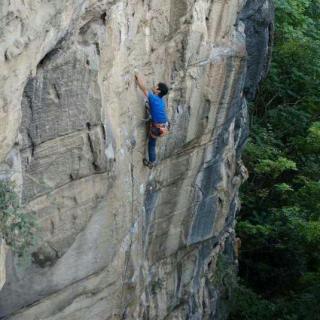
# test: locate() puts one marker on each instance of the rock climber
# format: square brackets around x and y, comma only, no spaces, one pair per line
[159,121]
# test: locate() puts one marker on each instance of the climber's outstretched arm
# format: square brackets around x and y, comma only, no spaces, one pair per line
[141,85]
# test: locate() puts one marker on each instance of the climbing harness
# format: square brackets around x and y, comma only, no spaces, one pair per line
[159,129]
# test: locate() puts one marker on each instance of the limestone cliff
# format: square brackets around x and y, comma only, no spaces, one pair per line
[120,241]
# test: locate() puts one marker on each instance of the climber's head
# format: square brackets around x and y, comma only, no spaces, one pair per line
[161,89]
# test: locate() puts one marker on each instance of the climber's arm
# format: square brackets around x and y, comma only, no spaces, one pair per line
[141,85]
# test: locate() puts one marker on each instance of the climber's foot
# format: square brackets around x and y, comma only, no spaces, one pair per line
[149,164]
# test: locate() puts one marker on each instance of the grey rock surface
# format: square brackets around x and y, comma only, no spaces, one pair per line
[119,241]
[3,253]
[258,17]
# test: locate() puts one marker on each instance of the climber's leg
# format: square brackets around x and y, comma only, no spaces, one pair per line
[152,149]
[153,134]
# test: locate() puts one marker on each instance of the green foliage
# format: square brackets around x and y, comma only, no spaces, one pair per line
[283,187]
[250,306]
[312,141]
[17,227]
[275,167]
[225,275]
[295,71]
[157,285]
[279,223]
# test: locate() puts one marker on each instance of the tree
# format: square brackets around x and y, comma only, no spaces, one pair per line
[279,223]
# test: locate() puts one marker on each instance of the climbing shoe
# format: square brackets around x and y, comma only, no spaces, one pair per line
[149,164]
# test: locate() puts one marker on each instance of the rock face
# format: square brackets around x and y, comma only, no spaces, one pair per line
[3,250]
[258,17]
[120,241]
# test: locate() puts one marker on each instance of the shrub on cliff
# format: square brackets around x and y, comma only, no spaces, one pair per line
[17,227]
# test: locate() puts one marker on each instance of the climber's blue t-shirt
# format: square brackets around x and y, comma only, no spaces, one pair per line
[157,108]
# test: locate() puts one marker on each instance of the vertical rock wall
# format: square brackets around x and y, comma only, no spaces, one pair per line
[3,251]
[120,241]
[258,17]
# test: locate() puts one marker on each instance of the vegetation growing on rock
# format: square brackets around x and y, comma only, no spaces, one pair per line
[17,227]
